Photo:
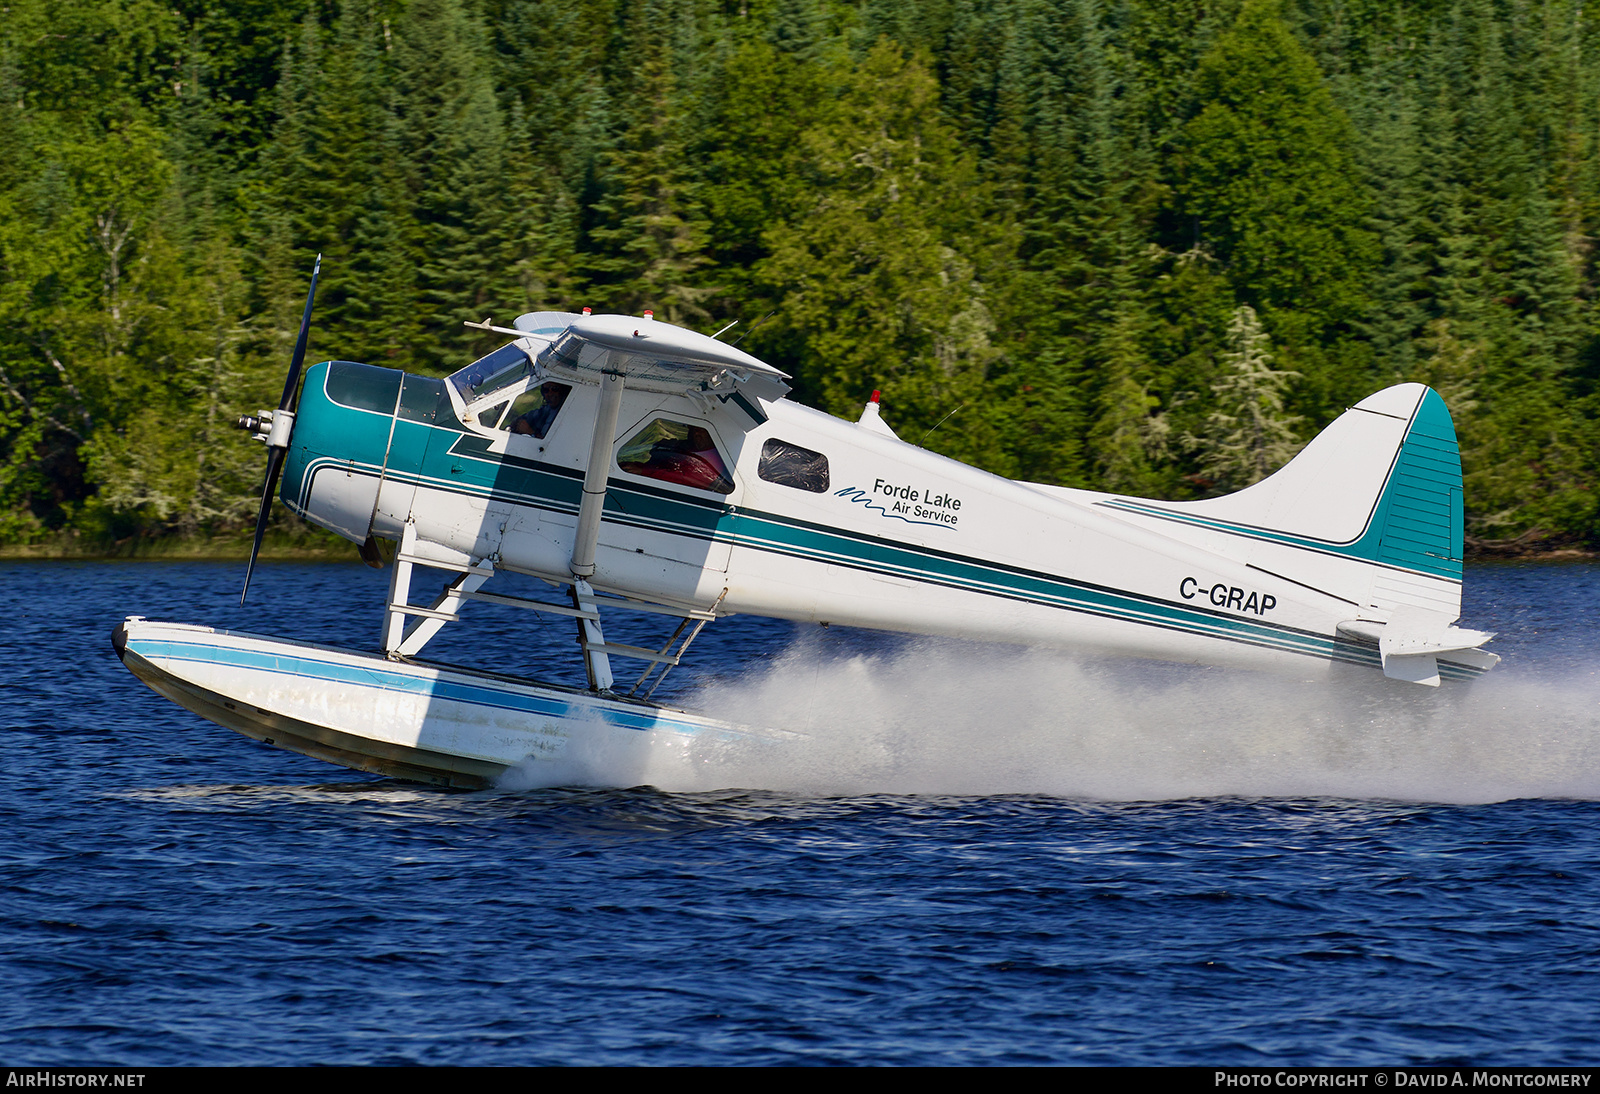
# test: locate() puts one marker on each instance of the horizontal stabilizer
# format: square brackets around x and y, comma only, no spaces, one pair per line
[1414,639]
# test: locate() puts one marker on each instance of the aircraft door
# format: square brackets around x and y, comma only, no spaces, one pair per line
[668,500]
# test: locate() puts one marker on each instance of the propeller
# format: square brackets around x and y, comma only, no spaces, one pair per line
[282,422]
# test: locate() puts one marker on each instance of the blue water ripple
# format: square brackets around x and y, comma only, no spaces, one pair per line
[172,893]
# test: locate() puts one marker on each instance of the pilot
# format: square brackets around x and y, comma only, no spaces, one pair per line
[539,420]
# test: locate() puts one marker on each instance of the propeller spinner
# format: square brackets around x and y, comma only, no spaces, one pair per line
[278,427]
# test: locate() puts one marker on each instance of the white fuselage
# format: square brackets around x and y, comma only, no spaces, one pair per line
[901,539]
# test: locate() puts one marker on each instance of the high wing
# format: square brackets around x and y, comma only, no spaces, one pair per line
[651,356]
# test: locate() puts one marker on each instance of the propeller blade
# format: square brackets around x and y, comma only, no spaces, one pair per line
[276,453]
[293,380]
[274,468]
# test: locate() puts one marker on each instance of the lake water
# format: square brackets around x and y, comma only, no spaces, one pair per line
[977,856]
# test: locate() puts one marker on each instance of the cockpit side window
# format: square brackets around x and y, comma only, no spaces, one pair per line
[490,415]
[504,365]
[676,452]
[790,465]
[535,410]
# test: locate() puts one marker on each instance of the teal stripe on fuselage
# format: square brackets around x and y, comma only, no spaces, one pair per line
[471,469]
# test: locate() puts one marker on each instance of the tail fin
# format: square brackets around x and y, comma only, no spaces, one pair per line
[1370,511]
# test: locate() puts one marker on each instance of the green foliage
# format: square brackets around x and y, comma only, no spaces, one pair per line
[650,235]
[1268,179]
[1052,232]
[875,292]
[1248,435]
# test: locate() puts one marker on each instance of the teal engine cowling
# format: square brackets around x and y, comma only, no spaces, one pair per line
[338,450]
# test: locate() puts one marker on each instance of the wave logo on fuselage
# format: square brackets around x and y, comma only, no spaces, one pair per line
[904,503]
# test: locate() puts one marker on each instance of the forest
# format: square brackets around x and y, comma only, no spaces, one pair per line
[1145,246]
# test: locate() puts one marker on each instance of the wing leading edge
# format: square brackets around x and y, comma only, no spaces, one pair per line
[651,356]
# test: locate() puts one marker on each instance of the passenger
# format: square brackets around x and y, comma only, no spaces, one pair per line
[690,460]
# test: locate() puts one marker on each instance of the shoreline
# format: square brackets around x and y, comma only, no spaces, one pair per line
[175,549]
[230,549]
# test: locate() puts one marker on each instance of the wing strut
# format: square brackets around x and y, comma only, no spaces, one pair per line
[591,637]
[596,475]
[403,640]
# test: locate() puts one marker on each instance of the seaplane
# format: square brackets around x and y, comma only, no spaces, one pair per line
[635,466]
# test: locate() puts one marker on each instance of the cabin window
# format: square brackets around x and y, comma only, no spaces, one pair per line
[487,373]
[676,452]
[535,410]
[790,465]
[489,416]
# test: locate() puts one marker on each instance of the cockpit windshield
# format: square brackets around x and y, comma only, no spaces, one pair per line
[503,366]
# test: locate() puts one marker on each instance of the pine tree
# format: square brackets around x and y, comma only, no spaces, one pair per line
[1248,435]
[1389,116]
[333,183]
[1129,439]
[1062,172]
[766,91]
[450,133]
[1508,280]
[1268,178]
[1042,215]
[650,233]
[551,60]
[870,283]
